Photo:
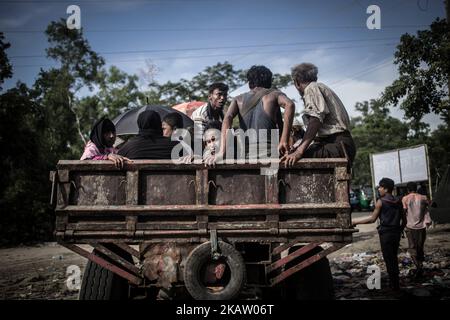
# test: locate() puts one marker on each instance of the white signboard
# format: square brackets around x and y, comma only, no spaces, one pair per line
[386,165]
[402,166]
[413,163]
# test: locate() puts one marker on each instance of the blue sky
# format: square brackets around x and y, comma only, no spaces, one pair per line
[183,37]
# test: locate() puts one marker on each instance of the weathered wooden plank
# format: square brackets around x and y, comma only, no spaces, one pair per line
[342,173]
[202,223]
[168,164]
[266,238]
[53,178]
[63,195]
[97,226]
[237,225]
[341,184]
[279,249]
[343,220]
[102,262]
[302,265]
[272,222]
[317,231]
[307,208]
[233,187]
[308,224]
[222,232]
[131,225]
[61,223]
[168,187]
[63,175]
[272,191]
[132,188]
[97,188]
[163,225]
[281,262]
[128,249]
[118,259]
[201,190]
[307,186]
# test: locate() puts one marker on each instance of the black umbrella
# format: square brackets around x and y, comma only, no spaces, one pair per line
[126,123]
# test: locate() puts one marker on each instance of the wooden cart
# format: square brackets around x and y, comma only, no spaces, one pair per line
[215,231]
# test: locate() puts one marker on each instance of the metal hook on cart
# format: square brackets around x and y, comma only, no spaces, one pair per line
[213,183]
[192,182]
[77,187]
[122,182]
[282,182]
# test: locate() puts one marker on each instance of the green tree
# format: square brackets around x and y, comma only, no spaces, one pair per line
[171,93]
[374,131]
[5,66]
[117,91]
[424,70]
[24,186]
[439,151]
[59,88]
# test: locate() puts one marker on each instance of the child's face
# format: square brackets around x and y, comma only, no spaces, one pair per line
[167,130]
[382,191]
[212,141]
[109,138]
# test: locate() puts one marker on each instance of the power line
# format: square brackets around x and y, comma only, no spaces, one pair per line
[362,73]
[222,47]
[229,54]
[222,29]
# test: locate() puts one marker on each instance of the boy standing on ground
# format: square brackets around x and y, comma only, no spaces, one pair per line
[392,222]
[418,219]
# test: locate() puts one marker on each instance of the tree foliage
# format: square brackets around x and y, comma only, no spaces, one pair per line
[196,89]
[374,131]
[5,66]
[424,69]
[24,163]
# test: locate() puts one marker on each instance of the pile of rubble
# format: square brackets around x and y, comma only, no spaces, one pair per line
[350,274]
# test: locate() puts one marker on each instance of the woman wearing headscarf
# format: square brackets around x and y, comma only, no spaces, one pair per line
[150,142]
[100,145]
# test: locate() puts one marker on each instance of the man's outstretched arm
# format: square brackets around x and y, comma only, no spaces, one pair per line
[289,111]
[372,218]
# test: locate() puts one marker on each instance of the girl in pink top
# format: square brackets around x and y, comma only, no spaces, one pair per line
[100,145]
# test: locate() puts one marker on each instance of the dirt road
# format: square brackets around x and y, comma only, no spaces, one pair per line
[39,272]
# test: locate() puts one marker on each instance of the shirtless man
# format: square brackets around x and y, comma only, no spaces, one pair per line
[258,109]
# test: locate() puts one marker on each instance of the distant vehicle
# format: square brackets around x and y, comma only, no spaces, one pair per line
[361,198]
[354,200]
[366,198]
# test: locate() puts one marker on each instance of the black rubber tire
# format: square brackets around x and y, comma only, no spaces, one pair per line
[101,284]
[314,282]
[202,255]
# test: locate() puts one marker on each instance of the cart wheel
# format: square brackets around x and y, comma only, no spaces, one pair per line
[101,284]
[208,279]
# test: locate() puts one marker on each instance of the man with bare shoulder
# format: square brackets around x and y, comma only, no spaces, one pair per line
[259,111]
